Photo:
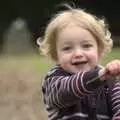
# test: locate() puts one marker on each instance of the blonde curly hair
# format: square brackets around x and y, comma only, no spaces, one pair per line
[81,18]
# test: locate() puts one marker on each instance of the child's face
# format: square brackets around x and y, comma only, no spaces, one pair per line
[77,49]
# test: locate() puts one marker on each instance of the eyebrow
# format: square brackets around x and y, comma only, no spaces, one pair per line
[88,40]
[83,41]
[68,42]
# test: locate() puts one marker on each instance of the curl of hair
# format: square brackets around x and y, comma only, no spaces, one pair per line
[81,18]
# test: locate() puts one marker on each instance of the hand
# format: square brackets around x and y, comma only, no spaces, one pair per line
[113,68]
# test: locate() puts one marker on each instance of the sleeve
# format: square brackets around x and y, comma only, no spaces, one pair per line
[62,91]
[115,99]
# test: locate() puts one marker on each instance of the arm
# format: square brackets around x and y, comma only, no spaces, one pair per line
[113,69]
[61,91]
[115,100]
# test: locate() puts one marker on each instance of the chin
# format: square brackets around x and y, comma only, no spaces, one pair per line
[83,70]
[76,71]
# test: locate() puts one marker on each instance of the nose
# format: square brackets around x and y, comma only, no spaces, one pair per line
[78,52]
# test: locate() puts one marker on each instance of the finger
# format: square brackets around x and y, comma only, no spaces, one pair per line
[112,68]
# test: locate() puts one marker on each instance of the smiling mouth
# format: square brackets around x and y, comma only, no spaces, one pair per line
[79,63]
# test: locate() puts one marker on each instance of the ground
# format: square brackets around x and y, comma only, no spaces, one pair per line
[20,90]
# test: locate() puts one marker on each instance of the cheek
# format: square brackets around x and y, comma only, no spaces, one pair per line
[64,59]
[93,56]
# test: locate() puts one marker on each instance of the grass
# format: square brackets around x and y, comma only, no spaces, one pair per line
[43,64]
[114,54]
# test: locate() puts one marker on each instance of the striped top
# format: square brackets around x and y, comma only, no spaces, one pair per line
[65,95]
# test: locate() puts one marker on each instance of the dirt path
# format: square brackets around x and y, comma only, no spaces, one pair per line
[20,92]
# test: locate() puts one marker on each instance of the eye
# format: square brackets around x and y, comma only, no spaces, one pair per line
[67,48]
[87,45]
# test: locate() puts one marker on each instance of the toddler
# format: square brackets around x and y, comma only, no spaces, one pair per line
[78,87]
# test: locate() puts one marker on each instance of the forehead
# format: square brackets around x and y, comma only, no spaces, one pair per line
[73,32]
